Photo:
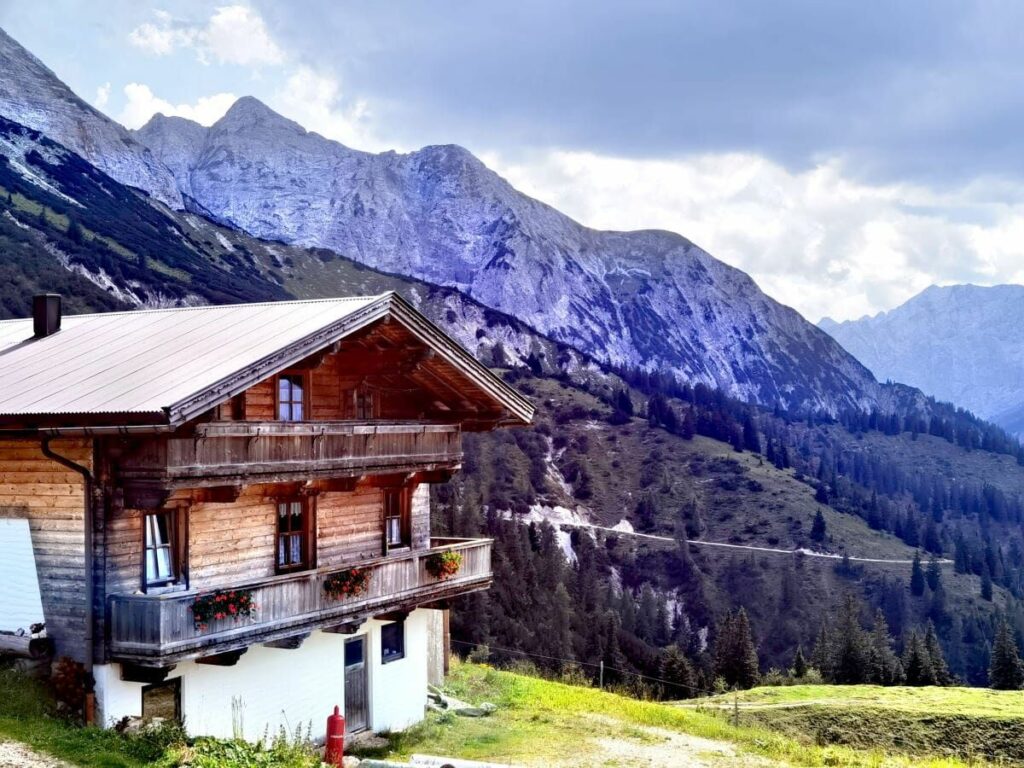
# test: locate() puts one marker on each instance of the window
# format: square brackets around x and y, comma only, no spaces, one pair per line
[291,390]
[364,401]
[392,642]
[162,700]
[159,549]
[396,517]
[293,550]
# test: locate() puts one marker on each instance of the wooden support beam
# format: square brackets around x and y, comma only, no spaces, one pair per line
[349,627]
[288,643]
[226,659]
[399,615]
[138,673]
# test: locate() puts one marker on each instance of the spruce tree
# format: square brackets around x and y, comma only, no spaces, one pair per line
[850,665]
[1006,671]
[986,584]
[917,581]
[933,575]
[735,658]
[677,672]
[885,668]
[822,655]
[818,527]
[940,670]
[799,663]
[917,666]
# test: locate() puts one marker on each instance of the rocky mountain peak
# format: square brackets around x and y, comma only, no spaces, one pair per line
[32,95]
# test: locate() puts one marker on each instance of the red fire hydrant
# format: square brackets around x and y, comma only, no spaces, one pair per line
[335,741]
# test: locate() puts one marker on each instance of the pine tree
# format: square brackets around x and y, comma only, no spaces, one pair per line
[917,581]
[735,658]
[940,670]
[689,428]
[1006,671]
[799,663]
[917,666]
[676,670]
[818,527]
[850,665]
[986,584]
[751,440]
[933,575]
[885,667]
[822,655]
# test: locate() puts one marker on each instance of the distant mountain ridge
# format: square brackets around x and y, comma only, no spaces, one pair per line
[644,299]
[640,299]
[961,343]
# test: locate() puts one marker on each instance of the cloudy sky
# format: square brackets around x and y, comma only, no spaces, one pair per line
[846,155]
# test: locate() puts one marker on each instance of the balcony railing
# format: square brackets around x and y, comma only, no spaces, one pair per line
[159,629]
[223,452]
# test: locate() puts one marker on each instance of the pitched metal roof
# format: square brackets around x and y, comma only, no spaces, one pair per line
[175,363]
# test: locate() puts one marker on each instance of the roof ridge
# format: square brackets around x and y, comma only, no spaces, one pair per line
[326,300]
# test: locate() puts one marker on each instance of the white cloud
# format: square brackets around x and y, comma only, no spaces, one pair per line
[102,96]
[234,34]
[141,104]
[315,101]
[816,240]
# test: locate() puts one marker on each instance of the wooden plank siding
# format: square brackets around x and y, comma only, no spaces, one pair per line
[51,497]
[234,542]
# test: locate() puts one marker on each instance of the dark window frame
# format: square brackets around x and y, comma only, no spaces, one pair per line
[306,530]
[303,403]
[391,628]
[177,543]
[400,513]
[364,404]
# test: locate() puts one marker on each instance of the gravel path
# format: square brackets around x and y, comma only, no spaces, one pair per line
[13,755]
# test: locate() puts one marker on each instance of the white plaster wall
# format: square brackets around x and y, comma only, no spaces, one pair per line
[274,687]
[398,690]
[270,688]
[115,698]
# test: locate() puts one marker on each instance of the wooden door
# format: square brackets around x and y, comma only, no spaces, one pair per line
[357,685]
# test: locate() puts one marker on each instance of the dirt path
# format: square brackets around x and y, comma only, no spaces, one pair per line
[635,746]
[748,547]
[14,755]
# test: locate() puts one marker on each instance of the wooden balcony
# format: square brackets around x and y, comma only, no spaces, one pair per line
[158,630]
[239,452]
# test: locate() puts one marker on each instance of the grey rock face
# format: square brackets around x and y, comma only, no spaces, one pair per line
[643,299]
[962,343]
[32,95]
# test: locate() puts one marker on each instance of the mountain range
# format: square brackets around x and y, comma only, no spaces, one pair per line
[962,344]
[647,299]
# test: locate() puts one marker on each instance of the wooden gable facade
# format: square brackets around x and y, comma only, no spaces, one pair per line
[317,468]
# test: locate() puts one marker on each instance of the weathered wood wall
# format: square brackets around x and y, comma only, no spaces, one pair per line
[234,542]
[52,498]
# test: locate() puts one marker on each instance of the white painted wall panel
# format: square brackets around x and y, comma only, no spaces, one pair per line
[20,602]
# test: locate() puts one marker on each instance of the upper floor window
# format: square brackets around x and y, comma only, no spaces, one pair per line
[293,535]
[396,517]
[364,404]
[160,545]
[291,397]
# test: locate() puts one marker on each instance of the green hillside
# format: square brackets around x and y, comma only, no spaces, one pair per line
[544,723]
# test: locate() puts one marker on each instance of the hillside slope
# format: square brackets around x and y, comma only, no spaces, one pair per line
[963,344]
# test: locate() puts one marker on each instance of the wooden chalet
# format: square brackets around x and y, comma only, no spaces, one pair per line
[228,507]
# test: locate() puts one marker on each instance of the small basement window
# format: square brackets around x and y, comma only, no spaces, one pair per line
[392,642]
[162,700]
